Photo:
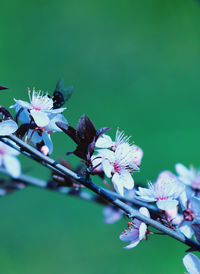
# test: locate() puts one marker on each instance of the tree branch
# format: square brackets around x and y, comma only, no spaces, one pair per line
[131,213]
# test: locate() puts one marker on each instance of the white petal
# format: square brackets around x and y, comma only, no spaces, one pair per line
[132,244]
[52,124]
[117,183]
[183,200]
[41,119]
[107,168]
[137,155]
[12,165]
[55,111]
[195,206]
[96,163]
[186,229]
[145,194]
[104,142]
[126,180]
[8,127]
[22,104]
[144,211]
[167,204]
[142,231]
[192,263]
[181,170]
[107,154]
[130,235]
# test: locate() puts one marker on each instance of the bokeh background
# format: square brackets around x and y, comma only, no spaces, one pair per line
[134,64]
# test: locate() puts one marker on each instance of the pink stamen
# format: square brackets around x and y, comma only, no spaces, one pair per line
[117,167]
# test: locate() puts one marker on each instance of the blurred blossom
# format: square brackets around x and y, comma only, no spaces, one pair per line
[136,232]
[164,191]
[188,176]
[192,263]
[9,161]
[112,214]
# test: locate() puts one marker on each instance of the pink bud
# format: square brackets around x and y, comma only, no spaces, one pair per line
[45,150]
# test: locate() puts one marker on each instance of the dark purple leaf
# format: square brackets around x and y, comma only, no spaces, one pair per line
[85,136]
[70,131]
[2,87]
[102,131]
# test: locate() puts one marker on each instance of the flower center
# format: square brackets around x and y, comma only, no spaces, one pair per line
[188,215]
[39,101]
[161,198]
[196,184]
[117,167]
[2,151]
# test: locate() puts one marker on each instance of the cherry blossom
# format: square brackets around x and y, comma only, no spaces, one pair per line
[9,161]
[40,107]
[192,263]
[137,230]
[118,165]
[164,191]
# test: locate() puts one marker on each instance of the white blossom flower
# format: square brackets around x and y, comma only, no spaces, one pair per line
[164,191]
[8,127]
[192,263]
[118,165]
[40,107]
[188,176]
[137,230]
[9,161]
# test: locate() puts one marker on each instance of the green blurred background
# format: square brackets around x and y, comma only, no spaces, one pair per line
[134,64]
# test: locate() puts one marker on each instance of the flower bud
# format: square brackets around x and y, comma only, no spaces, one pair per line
[45,150]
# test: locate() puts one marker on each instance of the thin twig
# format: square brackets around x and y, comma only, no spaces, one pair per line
[132,213]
